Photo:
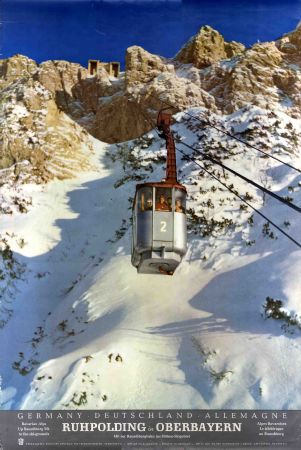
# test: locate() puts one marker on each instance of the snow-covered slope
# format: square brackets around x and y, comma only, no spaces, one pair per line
[86,331]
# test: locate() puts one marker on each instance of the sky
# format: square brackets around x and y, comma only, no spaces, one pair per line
[81,30]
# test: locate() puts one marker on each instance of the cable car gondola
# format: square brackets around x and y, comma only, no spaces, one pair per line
[159,239]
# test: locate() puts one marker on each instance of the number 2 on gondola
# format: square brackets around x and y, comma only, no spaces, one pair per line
[163,226]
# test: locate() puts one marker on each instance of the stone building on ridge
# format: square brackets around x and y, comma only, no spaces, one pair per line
[113,68]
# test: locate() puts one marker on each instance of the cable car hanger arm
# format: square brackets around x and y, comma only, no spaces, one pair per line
[163,125]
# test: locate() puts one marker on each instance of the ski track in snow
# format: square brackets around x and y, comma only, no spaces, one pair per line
[110,338]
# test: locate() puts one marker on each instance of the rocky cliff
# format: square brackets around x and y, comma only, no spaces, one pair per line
[208,47]
[49,110]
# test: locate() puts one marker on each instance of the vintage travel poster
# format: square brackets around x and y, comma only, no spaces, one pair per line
[150,200]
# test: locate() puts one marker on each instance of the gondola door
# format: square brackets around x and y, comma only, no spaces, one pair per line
[163,217]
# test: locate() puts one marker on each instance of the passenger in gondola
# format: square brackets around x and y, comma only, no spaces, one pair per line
[169,202]
[162,204]
[149,204]
[179,207]
[146,205]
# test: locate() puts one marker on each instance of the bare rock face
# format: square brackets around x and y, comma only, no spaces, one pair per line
[37,139]
[16,67]
[88,93]
[133,112]
[182,92]
[119,117]
[207,47]
[290,46]
[115,110]
[70,82]
[143,67]
[75,92]
[59,77]
[288,78]
[150,81]
[234,48]
[252,79]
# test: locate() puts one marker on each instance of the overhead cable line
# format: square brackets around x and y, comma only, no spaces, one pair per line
[240,197]
[248,180]
[227,133]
